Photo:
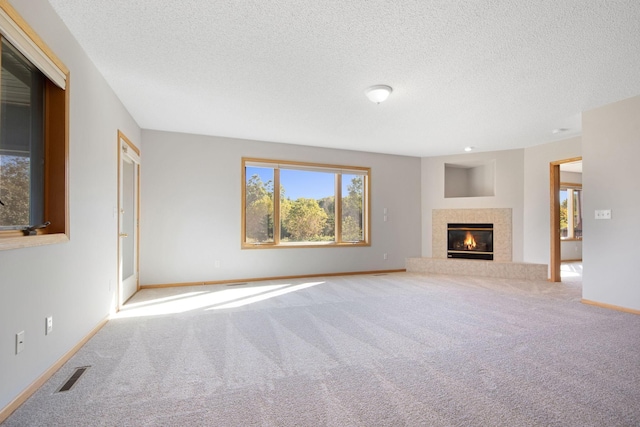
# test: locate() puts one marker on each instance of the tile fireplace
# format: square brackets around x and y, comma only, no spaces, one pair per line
[499,217]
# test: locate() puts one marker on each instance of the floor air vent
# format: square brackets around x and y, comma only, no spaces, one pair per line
[73,379]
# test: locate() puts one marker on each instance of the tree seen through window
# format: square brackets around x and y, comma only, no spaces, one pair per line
[307,202]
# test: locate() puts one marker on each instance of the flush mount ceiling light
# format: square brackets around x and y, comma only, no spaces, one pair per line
[378,93]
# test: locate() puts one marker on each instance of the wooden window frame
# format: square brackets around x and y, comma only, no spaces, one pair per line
[320,167]
[56,149]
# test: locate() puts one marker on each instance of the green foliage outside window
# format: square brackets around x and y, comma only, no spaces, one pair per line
[259,205]
[302,219]
[304,222]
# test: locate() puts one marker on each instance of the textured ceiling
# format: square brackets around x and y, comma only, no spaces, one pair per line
[490,74]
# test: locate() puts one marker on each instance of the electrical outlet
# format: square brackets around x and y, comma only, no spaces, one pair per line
[19,342]
[48,325]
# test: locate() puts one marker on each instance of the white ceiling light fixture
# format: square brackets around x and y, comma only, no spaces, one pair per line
[378,93]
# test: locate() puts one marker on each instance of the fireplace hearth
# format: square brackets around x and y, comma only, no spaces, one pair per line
[470,241]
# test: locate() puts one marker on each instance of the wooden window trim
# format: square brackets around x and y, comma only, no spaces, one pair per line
[572,185]
[276,244]
[56,189]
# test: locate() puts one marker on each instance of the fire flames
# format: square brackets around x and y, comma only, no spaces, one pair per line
[469,241]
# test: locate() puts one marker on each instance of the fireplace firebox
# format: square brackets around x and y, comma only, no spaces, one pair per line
[470,241]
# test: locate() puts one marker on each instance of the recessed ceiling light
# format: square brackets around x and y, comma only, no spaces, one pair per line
[559,130]
[378,93]
[467,149]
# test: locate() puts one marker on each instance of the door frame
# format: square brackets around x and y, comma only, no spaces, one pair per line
[125,144]
[554,218]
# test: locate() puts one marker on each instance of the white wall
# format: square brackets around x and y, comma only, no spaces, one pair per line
[570,177]
[537,198]
[68,281]
[456,182]
[611,147]
[508,191]
[482,180]
[191,211]
[469,180]
[570,250]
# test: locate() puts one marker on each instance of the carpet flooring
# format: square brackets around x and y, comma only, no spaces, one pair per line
[373,350]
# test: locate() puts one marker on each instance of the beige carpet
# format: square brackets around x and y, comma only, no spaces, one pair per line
[390,350]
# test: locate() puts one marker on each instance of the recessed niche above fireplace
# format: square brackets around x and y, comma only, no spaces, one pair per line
[474,179]
[470,241]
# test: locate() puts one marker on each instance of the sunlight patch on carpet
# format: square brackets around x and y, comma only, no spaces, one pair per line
[216,299]
[265,295]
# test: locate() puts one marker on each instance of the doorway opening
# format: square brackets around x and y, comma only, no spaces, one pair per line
[561,224]
[128,219]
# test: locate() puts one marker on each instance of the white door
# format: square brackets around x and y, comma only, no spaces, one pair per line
[128,222]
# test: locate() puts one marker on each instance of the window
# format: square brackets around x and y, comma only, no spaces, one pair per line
[303,211]
[21,140]
[33,137]
[570,211]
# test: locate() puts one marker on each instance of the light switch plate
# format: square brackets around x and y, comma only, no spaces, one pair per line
[603,214]
[19,342]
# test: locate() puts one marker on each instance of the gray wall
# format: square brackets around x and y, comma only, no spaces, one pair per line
[191,211]
[69,281]
[509,188]
[611,147]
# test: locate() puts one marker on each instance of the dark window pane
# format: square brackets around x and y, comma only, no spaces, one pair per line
[21,140]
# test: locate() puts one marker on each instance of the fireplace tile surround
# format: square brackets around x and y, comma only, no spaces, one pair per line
[500,218]
[478,268]
[501,266]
